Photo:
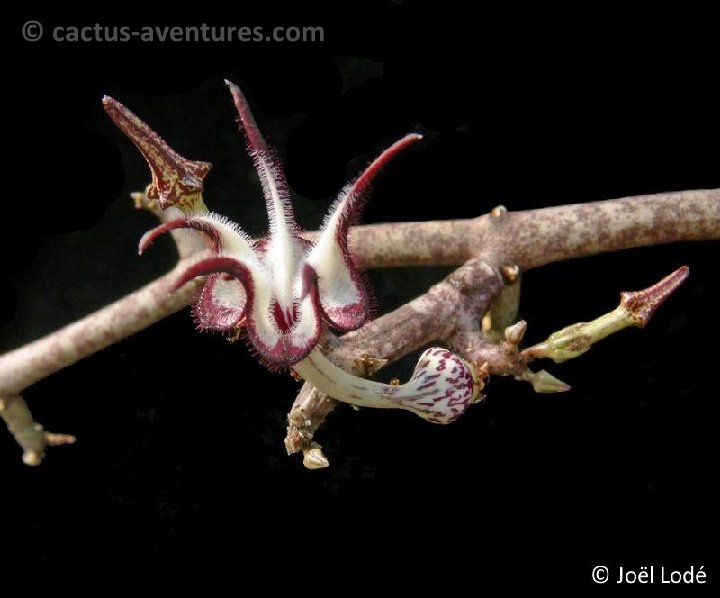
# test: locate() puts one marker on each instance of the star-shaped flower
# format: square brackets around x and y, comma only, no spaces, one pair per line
[282,288]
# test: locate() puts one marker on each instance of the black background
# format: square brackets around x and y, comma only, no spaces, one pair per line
[180,459]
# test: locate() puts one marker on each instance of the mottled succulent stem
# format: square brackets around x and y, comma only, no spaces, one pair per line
[691,215]
[504,310]
[284,290]
[533,238]
[459,301]
[432,316]
[33,362]
[526,239]
[29,435]
[489,354]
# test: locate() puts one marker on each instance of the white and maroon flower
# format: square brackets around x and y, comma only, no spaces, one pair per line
[283,289]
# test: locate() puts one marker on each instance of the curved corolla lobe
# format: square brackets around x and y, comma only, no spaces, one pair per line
[221,304]
[342,294]
[279,342]
[284,248]
[201,226]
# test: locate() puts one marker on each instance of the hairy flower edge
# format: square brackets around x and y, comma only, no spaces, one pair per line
[283,289]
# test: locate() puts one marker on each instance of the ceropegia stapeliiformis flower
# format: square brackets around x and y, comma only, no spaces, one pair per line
[283,289]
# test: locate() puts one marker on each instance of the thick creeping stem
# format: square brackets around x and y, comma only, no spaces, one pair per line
[288,288]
